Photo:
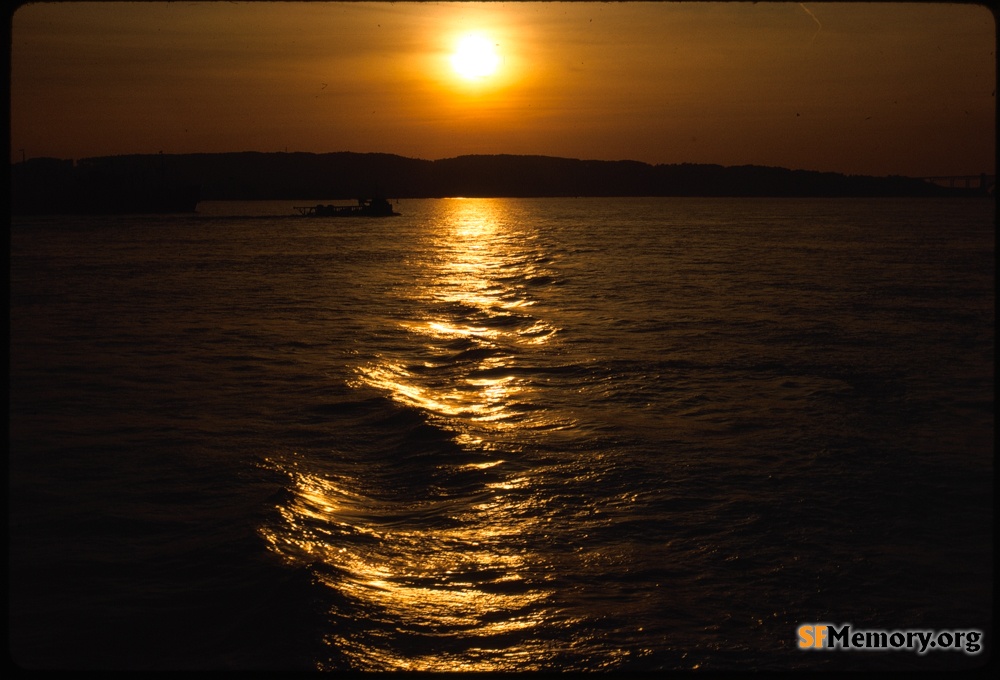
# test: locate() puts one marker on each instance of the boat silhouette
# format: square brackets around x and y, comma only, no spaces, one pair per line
[366,207]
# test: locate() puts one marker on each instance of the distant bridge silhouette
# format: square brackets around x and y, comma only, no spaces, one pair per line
[985,183]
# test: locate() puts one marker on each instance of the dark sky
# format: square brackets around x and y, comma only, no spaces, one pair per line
[859,88]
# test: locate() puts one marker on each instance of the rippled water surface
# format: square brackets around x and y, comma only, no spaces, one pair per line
[497,434]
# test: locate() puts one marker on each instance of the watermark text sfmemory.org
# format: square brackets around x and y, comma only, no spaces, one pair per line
[826,636]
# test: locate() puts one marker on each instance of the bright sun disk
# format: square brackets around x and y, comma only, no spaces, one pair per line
[475,57]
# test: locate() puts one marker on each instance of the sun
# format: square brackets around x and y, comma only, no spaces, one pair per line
[475,57]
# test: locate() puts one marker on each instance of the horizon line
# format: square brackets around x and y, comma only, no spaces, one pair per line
[25,159]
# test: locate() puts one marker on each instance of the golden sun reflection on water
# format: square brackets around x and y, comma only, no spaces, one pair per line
[475,286]
[443,582]
[480,399]
[466,581]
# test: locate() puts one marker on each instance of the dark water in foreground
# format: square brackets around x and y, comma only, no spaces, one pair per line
[501,434]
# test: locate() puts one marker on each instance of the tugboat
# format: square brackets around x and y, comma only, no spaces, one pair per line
[366,207]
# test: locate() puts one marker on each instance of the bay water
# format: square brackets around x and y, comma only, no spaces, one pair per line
[501,434]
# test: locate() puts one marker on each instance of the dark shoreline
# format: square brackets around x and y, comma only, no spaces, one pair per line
[176,182]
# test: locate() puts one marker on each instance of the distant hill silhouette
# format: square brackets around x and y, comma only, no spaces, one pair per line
[173,182]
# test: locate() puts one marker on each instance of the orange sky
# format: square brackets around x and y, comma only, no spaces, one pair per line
[859,88]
